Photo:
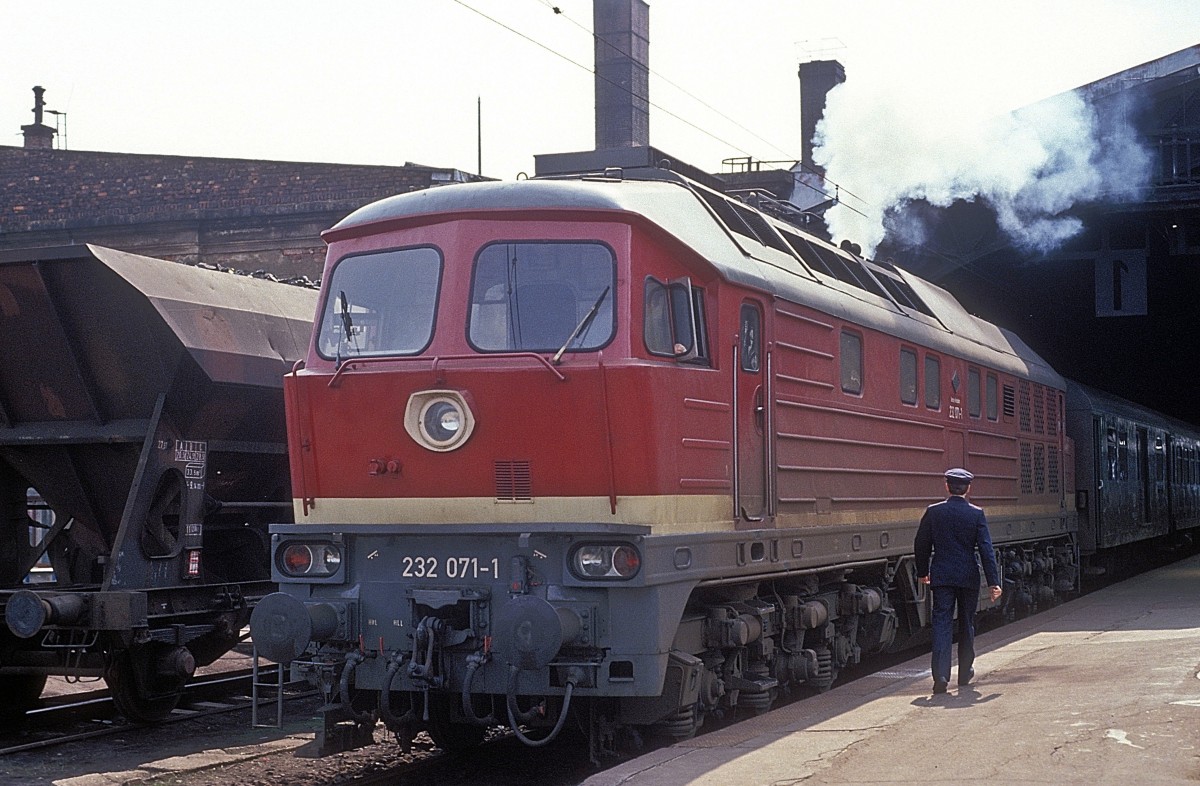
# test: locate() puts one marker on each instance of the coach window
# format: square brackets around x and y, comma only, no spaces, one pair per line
[542,297]
[993,399]
[380,304]
[1122,454]
[674,320]
[933,382]
[852,363]
[974,393]
[1118,454]
[908,376]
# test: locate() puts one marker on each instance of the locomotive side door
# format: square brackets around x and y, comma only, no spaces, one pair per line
[750,419]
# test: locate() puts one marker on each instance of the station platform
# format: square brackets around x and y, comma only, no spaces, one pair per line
[1104,689]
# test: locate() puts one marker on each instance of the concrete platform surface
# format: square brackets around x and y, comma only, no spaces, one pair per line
[1102,690]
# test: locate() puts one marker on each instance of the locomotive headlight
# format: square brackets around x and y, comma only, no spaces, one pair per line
[438,420]
[442,421]
[605,561]
[309,559]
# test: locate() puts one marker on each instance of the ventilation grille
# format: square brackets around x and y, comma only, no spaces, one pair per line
[1026,468]
[1039,411]
[1024,406]
[1039,468]
[1010,401]
[513,481]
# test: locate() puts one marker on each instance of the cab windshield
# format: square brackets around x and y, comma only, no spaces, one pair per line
[542,297]
[380,304]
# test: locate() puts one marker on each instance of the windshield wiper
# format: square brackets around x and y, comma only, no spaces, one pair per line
[582,323]
[347,327]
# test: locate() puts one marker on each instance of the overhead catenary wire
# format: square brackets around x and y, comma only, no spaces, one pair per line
[590,69]
[839,191]
[657,106]
[680,88]
[837,196]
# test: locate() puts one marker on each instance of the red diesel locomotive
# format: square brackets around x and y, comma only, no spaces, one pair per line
[625,448]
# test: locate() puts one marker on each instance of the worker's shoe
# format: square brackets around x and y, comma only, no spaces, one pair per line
[939,686]
[965,679]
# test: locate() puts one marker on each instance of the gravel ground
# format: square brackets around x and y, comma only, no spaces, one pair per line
[222,750]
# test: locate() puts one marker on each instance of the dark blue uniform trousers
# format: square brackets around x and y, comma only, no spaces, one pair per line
[944,600]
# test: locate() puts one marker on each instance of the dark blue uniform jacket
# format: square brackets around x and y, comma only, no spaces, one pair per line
[952,531]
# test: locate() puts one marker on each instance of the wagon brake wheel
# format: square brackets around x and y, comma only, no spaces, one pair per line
[145,697]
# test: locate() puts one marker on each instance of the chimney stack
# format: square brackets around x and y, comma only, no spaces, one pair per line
[622,80]
[38,136]
[817,78]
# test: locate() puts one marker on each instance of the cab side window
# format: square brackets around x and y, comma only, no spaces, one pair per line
[674,320]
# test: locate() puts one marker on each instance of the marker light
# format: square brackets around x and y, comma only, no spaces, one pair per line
[309,559]
[606,561]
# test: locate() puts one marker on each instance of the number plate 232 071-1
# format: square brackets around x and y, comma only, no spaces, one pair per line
[449,568]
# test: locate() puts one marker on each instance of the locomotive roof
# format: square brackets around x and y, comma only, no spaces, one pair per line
[757,251]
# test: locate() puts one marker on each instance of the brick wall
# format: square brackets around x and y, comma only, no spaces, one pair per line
[228,212]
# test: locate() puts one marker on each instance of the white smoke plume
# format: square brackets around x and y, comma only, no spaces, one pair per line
[1032,166]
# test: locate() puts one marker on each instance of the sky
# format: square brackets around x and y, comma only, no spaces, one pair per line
[452,83]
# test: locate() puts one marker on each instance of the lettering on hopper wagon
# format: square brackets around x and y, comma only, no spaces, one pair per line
[189,451]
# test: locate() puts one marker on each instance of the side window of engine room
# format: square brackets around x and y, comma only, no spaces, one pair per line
[674,320]
[993,398]
[974,393]
[380,303]
[542,297]
[852,363]
[933,382]
[908,376]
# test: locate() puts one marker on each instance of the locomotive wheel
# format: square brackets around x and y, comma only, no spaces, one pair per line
[448,735]
[21,693]
[133,697]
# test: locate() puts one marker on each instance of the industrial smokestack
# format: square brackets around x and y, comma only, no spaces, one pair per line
[38,136]
[817,78]
[622,30]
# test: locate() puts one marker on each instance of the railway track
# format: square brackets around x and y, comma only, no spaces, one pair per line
[81,716]
[500,761]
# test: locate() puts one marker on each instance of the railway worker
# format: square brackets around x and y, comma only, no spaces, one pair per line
[950,535]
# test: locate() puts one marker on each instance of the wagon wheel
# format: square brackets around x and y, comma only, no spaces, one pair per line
[140,695]
[21,693]
[446,733]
